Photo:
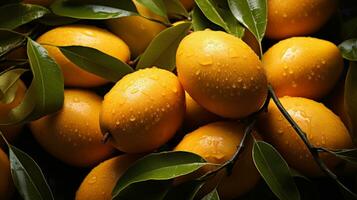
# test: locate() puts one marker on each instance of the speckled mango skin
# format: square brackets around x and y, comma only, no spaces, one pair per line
[72,135]
[322,127]
[82,35]
[221,73]
[100,181]
[287,18]
[6,185]
[216,143]
[143,110]
[303,67]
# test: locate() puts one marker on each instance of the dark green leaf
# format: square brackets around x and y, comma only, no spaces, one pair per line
[175,8]
[212,195]
[252,14]
[9,41]
[94,9]
[159,166]
[200,22]
[148,190]
[351,99]
[19,14]
[97,62]
[55,20]
[45,94]
[9,83]
[27,175]
[220,16]
[156,6]
[275,171]
[348,49]
[186,190]
[161,52]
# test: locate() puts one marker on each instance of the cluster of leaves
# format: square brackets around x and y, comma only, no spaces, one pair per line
[152,175]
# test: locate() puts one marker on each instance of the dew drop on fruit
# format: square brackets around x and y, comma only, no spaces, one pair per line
[92,180]
[132,118]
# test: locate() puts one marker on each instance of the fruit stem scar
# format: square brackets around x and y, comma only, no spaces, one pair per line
[314,151]
[106,137]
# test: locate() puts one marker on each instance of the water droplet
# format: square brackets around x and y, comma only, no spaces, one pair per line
[280,131]
[285,15]
[198,72]
[117,123]
[239,79]
[132,118]
[284,73]
[323,62]
[206,60]
[76,130]
[174,90]
[244,86]
[134,90]
[234,86]
[291,71]
[318,66]
[92,180]
[76,100]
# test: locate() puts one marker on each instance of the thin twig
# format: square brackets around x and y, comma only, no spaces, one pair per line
[314,151]
[230,163]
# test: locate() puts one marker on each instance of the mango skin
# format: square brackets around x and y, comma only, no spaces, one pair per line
[221,73]
[143,110]
[303,67]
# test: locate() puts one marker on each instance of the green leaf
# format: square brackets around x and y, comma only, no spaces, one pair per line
[275,171]
[19,14]
[97,62]
[27,175]
[45,94]
[199,21]
[252,14]
[9,83]
[9,40]
[348,49]
[220,16]
[148,190]
[55,20]
[351,99]
[159,166]
[175,8]
[213,195]
[156,6]
[161,52]
[94,9]
[186,190]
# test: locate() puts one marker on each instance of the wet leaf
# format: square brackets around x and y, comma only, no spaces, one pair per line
[158,167]
[27,176]
[220,16]
[161,52]
[156,6]
[348,49]
[275,171]
[94,9]
[175,8]
[148,190]
[252,14]
[19,14]
[45,94]
[9,83]
[9,41]
[97,62]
